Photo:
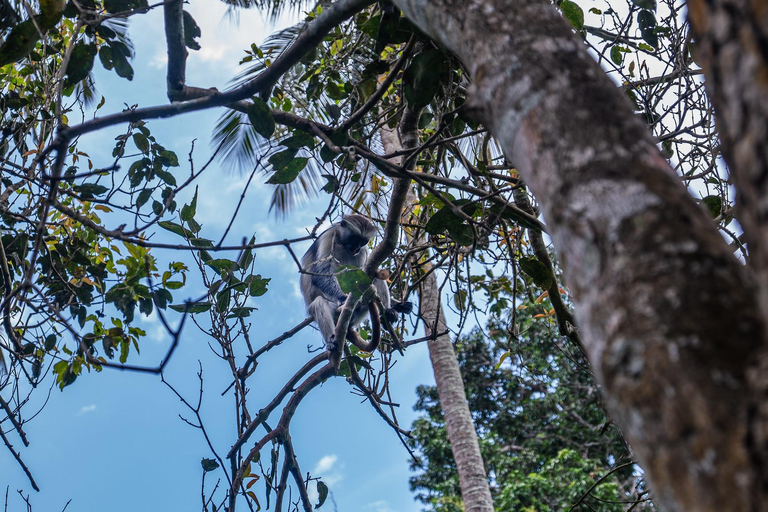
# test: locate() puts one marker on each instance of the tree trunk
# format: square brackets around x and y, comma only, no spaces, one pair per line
[668,316]
[732,46]
[453,401]
[473,481]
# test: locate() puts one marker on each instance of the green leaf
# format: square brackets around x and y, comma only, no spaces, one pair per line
[616,55]
[105,56]
[460,299]
[340,139]
[322,493]
[333,110]
[246,258]
[201,307]
[261,118]
[280,160]
[714,204]
[142,142]
[19,43]
[166,177]
[191,31]
[353,280]
[647,23]
[201,242]
[258,285]
[645,4]
[175,228]
[573,13]
[359,361]
[424,76]
[332,184]
[162,297]
[243,312]
[503,357]
[223,299]
[288,173]
[537,271]
[168,158]
[80,63]
[222,264]
[188,211]
[298,140]
[646,19]
[144,196]
[209,465]
[120,54]
[90,190]
[447,220]
[650,37]
[115,6]
[371,26]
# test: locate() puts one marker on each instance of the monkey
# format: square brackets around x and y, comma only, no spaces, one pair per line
[342,244]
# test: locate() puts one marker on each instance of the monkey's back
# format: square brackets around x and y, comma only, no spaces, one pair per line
[323,259]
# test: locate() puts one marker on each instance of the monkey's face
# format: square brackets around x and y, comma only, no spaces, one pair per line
[355,232]
[353,243]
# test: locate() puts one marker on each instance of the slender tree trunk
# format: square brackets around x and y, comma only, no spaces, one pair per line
[450,387]
[473,481]
[668,316]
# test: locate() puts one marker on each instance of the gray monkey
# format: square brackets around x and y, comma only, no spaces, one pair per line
[343,244]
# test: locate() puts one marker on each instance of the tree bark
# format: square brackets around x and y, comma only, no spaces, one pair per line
[668,316]
[475,490]
[732,46]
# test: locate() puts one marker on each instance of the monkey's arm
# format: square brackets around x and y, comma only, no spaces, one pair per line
[391,307]
[324,280]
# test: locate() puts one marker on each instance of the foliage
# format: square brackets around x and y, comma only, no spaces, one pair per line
[543,432]
[64,275]
[80,259]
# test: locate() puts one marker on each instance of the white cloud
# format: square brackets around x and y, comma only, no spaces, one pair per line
[378,506]
[159,60]
[296,289]
[86,409]
[325,464]
[328,470]
[156,331]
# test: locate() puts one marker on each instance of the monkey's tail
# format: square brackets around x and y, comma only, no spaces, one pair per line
[359,342]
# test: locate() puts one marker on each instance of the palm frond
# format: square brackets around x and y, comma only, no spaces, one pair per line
[274,45]
[241,147]
[273,8]
[286,198]
[10,14]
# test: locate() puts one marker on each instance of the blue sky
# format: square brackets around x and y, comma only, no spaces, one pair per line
[114,440]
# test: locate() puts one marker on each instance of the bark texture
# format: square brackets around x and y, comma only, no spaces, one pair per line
[668,316]
[473,481]
[732,46]
[450,387]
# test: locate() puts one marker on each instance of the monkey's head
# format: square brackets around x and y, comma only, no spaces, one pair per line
[356,232]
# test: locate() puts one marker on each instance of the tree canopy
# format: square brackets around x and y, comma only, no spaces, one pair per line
[433,118]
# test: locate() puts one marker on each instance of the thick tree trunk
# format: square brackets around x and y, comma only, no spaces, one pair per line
[473,481]
[732,46]
[668,316]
